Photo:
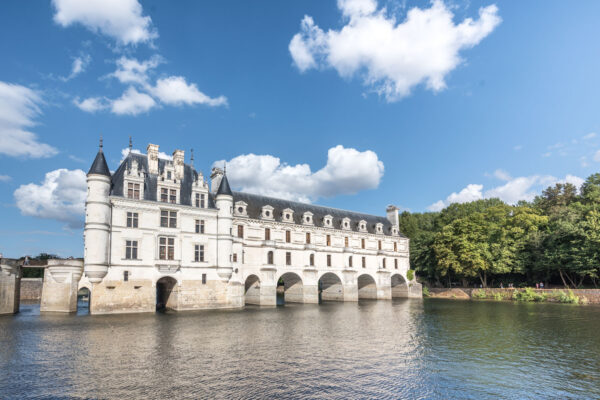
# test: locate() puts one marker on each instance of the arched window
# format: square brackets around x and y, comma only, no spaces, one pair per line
[384,263]
[350,261]
[270,258]
[312,260]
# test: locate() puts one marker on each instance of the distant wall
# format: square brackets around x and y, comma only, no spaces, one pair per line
[592,295]
[31,289]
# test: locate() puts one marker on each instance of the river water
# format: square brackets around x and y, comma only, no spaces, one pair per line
[430,349]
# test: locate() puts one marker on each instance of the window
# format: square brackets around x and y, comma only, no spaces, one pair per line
[199,253]
[164,195]
[204,279]
[173,196]
[168,174]
[202,201]
[131,247]
[395,246]
[168,219]
[346,242]
[288,236]
[395,263]
[241,231]
[312,260]
[166,248]
[197,199]
[329,260]
[125,276]
[199,226]
[235,257]
[364,262]
[132,220]
[328,240]
[270,258]
[267,233]
[379,245]
[133,190]
[350,261]
[362,243]
[384,263]
[288,258]
[307,237]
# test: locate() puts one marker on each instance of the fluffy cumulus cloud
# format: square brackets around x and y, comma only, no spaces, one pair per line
[141,95]
[347,171]
[19,107]
[511,192]
[61,196]
[5,178]
[391,56]
[161,154]
[121,20]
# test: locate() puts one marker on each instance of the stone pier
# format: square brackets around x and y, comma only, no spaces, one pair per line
[10,286]
[59,292]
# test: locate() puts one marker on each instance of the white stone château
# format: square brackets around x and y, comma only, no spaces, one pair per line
[156,236]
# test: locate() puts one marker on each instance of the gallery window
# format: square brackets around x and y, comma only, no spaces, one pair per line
[312,260]
[329,260]
[307,237]
[288,236]
[288,258]
[350,261]
[328,240]
[132,220]
[199,226]
[346,242]
[131,249]
[199,253]
[166,248]
[267,233]
[168,219]
[362,243]
[270,258]
[240,230]
[364,262]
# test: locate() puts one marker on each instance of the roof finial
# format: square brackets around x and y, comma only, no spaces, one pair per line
[101,143]
[130,144]
[192,157]
[224,167]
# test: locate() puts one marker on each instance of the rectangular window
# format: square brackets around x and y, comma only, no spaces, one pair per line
[202,201]
[197,199]
[166,248]
[199,253]
[346,242]
[204,279]
[329,260]
[199,226]
[168,219]
[307,237]
[328,240]
[379,245]
[384,264]
[395,246]
[173,196]
[125,276]
[131,249]
[133,190]
[350,261]
[234,257]
[288,258]
[168,174]
[132,220]
[164,195]
[362,243]
[395,263]
[267,233]
[241,231]
[364,262]
[288,236]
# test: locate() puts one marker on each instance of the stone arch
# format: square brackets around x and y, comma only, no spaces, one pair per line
[399,286]
[291,287]
[367,287]
[252,290]
[166,293]
[84,299]
[330,287]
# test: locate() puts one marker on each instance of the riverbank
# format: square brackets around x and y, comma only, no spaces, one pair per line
[573,296]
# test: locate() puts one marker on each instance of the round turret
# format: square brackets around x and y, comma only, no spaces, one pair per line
[224,203]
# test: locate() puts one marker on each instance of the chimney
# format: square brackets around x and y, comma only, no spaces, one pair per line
[178,159]
[215,179]
[152,151]
[392,214]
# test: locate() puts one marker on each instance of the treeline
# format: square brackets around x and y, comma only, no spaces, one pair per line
[553,239]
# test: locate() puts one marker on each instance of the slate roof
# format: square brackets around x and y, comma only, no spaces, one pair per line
[99,165]
[224,187]
[256,202]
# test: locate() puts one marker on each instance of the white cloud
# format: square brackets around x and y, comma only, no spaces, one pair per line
[174,90]
[518,147]
[125,152]
[392,56]
[92,104]
[130,70]
[132,102]
[589,136]
[61,196]
[502,175]
[514,190]
[347,171]
[79,66]
[5,178]
[19,106]
[597,156]
[121,20]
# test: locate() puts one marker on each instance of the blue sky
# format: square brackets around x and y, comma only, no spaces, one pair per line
[374,103]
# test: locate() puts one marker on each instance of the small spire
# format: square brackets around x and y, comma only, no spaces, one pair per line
[192,157]
[224,167]
[130,144]
[101,143]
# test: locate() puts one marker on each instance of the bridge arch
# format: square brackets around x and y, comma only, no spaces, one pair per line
[84,299]
[290,287]
[166,293]
[252,290]
[330,287]
[367,287]
[399,286]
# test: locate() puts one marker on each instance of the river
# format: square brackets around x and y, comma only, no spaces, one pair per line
[430,349]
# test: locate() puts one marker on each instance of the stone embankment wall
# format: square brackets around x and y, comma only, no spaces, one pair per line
[31,289]
[592,295]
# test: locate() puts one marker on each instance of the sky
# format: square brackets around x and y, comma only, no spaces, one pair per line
[354,104]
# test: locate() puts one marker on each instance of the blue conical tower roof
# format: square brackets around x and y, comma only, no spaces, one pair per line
[99,166]
[224,187]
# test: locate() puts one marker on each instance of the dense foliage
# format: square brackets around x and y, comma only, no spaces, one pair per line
[554,239]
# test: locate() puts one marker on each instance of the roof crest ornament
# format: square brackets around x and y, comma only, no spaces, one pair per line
[130,144]
[101,145]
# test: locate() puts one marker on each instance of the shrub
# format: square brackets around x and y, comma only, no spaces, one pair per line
[410,274]
[569,297]
[528,295]
[425,291]
[479,294]
[498,296]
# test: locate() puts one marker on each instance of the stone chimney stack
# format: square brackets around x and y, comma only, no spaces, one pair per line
[215,179]
[392,214]
[152,159]
[178,160]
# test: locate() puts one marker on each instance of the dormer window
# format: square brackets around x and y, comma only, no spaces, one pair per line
[133,183]
[169,175]
[267,212]
[327,221]
[394,231]
[240,208]
[200,200]
[307,218]
[379,228]
[287,215]
[133,190]
[345,223]
[362,225]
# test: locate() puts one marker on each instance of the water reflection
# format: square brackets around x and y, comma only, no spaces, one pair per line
[370,349]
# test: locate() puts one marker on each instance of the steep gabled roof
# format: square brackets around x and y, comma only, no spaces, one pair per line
[99,166]
[224,187]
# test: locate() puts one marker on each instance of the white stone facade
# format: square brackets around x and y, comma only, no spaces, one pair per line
[155,234]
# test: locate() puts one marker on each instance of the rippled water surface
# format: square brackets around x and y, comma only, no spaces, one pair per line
[400,349]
